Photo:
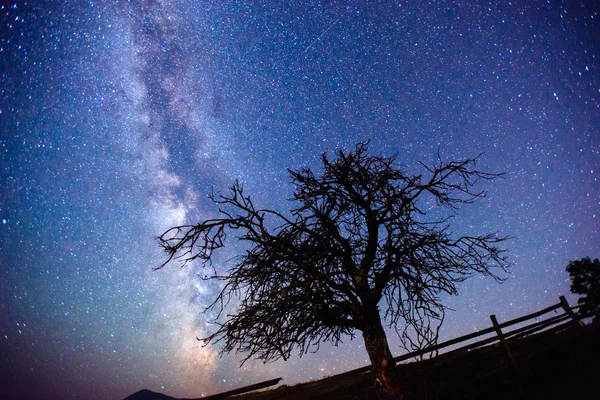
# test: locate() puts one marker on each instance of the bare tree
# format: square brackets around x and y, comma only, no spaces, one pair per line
[357,238]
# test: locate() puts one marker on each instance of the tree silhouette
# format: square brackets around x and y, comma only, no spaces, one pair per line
[358,248]
[585,280]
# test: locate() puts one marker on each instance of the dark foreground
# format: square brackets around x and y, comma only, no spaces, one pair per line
[563,365]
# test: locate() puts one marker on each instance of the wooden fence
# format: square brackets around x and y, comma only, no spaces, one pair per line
[555,323]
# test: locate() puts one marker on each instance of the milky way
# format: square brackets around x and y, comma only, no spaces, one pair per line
[118,118]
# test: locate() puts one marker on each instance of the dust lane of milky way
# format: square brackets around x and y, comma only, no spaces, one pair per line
[117,118]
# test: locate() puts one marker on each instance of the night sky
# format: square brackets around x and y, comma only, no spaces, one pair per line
[117,118]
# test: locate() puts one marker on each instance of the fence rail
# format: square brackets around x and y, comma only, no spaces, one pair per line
[241,390]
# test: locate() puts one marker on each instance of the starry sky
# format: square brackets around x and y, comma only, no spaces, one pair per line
[117,118]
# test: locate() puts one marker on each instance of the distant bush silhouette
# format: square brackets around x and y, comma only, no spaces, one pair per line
[585,280]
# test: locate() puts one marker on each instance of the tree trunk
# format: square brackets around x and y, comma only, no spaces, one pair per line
[383,367]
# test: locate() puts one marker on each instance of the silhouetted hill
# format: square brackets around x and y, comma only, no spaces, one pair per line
[554,366]
[146,394]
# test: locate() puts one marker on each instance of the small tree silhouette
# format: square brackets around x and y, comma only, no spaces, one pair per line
[358,238]
[585,280]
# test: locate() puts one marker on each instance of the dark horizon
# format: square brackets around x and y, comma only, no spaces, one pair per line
[117,119]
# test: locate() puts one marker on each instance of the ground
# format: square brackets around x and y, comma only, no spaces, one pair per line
[563,365]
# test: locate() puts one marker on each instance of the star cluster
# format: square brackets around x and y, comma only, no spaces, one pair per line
[118,118]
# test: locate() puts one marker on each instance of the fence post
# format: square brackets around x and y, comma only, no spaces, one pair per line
[565,304]
[509,356]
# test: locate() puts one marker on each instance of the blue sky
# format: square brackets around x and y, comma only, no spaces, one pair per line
[118,118]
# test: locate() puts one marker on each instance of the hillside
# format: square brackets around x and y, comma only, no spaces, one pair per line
[561,365]
[552,366]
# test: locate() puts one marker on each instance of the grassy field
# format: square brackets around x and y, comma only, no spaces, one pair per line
[563,365]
